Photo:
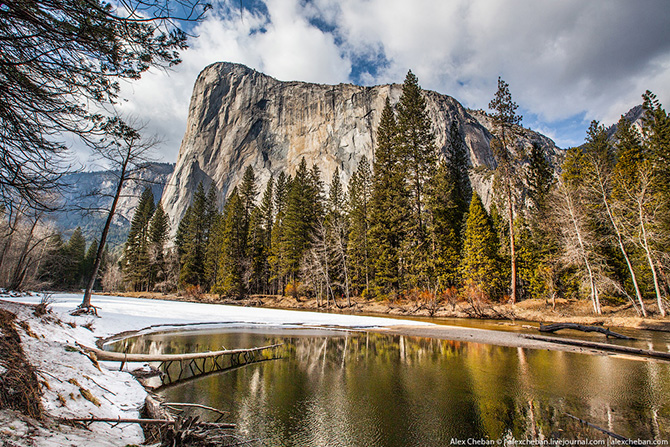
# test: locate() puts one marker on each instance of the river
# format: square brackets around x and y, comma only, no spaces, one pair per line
[338,388]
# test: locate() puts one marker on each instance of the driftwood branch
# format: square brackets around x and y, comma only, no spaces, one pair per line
[601,346]
[579,327]
[175,405]
[607,432]
[122,357]
[90,420]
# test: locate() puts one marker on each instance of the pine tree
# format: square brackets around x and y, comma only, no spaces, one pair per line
[74,253]
[248,192]
[336,234]
[505,122]
[449,194]
[389,206]
[416,145]
[536,250]
[360,193]
[181,235]
[136,250]
[158,233]
[257,253]
[211,208]
[89,259]
[195,242]
[480,265]
[444,228]
[233,264]
[281,193]
[213,252]
[303,208]
[263,241]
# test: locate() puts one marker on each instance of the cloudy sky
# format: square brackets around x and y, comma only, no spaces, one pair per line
[567,62]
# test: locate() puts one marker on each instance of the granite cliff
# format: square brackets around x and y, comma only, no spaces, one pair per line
[239,117]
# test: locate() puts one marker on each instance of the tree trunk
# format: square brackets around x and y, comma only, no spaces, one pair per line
[633,277]
[594,290]
[644,241]
[513,297]
[86,302]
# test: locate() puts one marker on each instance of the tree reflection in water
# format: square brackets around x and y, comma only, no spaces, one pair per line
[370,389]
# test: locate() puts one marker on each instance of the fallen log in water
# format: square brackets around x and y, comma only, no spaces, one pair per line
[126,358]
[580,327]
[600,429]
[90,420]
[601,346]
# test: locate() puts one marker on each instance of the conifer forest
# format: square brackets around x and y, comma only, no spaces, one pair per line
[592,225]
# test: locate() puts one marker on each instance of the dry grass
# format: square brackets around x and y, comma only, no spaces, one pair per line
[19,386]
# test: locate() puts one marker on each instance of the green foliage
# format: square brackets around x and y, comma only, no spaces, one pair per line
[159,230]
[233,266]
[194,241]
[389,206]
[303,209]
[63,59]
[358,207]
[136,262]
[416,149]
[480,266]
[448,196]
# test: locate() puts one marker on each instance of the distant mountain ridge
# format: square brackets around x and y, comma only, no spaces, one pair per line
[95,190]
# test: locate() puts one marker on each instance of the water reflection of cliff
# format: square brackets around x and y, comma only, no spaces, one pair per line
[379,390]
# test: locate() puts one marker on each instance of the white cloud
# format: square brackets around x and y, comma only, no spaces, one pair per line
[561,59]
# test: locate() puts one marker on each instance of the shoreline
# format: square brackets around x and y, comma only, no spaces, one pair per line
[537,311]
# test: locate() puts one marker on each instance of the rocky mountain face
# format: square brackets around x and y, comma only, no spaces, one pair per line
[95,190]
[240,117]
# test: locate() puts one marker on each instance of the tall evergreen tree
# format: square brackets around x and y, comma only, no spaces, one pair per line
[449,196]
[277,254]
[158,233]
[389,206]
[74,253]
[505,121]
[262,238]
[360,194]
[480,265]
[89,259]
[248,192]
[537,250]
[213,252]
[336,234]
[416,145]
[303,208]
[136,250]
[233,264]
[195,242]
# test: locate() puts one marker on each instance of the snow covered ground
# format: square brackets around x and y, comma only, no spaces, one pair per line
[64,371]
[120,314]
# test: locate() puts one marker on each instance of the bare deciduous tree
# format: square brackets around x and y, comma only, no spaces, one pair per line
[126,154]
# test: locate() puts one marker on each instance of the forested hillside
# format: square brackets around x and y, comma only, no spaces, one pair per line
[407,225]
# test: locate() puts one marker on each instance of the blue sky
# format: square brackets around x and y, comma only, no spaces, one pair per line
[567,62]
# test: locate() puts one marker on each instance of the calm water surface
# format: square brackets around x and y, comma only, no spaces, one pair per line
[366,389]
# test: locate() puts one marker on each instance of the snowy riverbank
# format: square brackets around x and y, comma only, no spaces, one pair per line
[67,377]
